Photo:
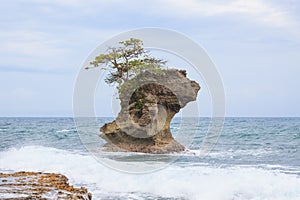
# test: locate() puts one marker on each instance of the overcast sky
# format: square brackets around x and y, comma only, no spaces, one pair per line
[254,44]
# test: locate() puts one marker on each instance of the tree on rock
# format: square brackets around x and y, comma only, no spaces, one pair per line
[126,61]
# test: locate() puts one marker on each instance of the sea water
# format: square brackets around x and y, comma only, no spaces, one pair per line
[254,158]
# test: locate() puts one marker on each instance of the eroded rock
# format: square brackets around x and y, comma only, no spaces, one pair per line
[37,185]
[148,104]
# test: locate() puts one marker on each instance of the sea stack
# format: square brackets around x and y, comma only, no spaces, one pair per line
[149,101]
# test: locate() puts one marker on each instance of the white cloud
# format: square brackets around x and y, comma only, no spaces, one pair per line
[257,10]
[74,3]
[30,43]
[89,7]
[31,49]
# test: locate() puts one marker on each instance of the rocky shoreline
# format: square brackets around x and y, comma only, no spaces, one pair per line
[38,185]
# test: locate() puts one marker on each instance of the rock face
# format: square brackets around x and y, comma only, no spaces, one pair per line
[37,185]
[148,104]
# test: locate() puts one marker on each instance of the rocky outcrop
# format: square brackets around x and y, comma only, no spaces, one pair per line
[37,185]
[148,104]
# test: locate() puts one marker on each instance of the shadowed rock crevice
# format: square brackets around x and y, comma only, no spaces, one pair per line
[148,104]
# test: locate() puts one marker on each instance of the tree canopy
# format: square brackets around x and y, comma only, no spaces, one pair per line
[126,61]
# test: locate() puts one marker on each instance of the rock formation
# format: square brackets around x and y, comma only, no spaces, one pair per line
[37,185]
[148,103]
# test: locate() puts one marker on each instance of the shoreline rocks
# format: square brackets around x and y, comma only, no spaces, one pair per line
[38,185]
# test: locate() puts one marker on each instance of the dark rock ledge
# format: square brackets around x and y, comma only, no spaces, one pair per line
[37,185]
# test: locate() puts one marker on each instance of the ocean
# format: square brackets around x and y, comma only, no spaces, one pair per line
[254,158]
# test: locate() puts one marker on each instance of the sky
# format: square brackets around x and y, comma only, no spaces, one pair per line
[255,46]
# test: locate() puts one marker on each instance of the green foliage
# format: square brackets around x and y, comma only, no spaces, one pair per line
[126,61]
[139,104]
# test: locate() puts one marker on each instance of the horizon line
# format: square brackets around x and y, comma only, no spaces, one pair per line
[174,117]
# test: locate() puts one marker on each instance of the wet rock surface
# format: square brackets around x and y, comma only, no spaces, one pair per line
[37,185]
[148,105]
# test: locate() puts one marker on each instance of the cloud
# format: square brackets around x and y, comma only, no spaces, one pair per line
[60,34]
[256,10]
[30,43]
[45,50]
[75,3]
[31,49]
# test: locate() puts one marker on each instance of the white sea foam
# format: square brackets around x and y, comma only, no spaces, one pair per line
[228,153]
[64,130]
[12,196]
[191,182]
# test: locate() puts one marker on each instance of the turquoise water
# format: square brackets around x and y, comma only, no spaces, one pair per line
[255,158]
